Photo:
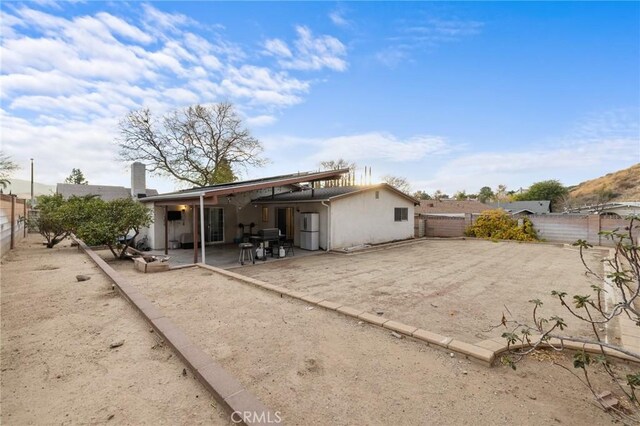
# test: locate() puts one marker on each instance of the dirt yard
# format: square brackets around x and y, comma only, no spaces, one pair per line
[318,367]
[56,363]
[452,287]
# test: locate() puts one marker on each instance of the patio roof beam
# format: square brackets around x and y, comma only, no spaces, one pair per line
[328,175]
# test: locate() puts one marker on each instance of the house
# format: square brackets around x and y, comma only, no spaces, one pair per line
[452,208]
[222,213]
[138,187]
[524,207]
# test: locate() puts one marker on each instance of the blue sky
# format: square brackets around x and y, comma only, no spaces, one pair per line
[451,96]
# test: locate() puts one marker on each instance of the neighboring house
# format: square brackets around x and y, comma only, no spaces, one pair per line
[453,208]
[524,207]
[348,216]
[619,209]
[138,187]
[22,188]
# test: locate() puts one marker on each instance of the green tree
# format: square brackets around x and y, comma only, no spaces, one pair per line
[7,167]
[76,177]
[115,224]
[200,145]
[421,195]
[50,219]
[461,195]
[486,194]
[551,190]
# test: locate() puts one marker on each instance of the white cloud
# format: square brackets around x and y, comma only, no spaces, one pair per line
[380,146]
[338,18]
[309,53]
[261,120]
[427,33]
[278,48]
[599,144]
[121,27]
[67,81]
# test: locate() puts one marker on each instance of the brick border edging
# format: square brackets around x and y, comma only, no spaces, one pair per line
[474,352]
[225,388]
[484,352]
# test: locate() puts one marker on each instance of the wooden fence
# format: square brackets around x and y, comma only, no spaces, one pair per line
[13,218]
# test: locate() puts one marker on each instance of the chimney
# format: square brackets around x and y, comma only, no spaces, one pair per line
[138,180]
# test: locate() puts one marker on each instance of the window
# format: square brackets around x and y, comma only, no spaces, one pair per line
[401,214]
[265,214]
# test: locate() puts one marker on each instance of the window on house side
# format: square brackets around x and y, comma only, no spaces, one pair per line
[377,194]
[265,214]
[401,214]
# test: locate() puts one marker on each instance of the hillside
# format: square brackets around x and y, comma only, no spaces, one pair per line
[623,185]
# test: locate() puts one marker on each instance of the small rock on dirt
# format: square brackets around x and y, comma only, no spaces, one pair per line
[83,278]
[465,372]
[111,416]
[379,312]
[117,344]
[396,335]
[452,354]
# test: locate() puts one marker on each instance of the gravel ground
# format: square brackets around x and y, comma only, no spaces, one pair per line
[453,287]
[57,365]
[317,367]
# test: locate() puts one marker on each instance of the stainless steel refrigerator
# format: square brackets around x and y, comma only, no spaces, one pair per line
[309,231]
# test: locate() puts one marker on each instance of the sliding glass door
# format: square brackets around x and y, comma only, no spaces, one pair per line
[214,224]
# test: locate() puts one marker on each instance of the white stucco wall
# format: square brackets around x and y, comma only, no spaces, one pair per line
[363,219]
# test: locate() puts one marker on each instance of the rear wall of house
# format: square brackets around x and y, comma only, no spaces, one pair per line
[364,219]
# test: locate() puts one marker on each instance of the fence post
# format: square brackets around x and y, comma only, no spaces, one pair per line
[13,221]
[24,224]
[593,229]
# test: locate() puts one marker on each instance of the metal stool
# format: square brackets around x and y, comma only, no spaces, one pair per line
[246,249]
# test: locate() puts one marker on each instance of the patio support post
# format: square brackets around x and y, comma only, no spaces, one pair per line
[195,234]
[166,230]
[202,226]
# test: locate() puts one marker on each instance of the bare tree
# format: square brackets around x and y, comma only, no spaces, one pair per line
[7,167]
[201,144]
[612,298]
[339,164]
[397,182]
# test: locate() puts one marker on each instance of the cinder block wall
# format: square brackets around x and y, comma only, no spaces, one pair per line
[552,228]
[6,202]
[444,226]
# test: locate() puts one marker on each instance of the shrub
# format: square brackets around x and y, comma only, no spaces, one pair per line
[499,225]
